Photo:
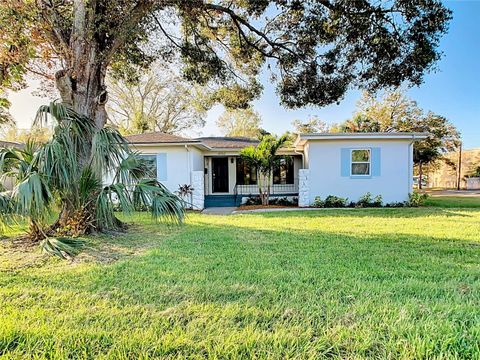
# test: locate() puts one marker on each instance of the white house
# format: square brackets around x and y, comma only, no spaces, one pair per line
[341,164]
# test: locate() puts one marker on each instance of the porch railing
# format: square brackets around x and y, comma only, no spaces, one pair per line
[275,189]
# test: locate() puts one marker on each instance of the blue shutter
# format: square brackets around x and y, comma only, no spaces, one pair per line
[376,162]
[162,167]
[345,159]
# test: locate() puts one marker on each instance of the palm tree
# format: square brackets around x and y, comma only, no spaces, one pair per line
[84,180]
[264,159]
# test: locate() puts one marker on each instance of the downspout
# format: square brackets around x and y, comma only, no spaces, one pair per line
[188,164]
[303,163]
[410,164]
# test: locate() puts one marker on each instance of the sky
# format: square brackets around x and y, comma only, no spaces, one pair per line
[453,90]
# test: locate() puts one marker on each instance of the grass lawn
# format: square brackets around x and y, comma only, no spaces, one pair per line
[454,201]
[380,283]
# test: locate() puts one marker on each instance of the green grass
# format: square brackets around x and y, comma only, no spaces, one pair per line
[380,283]
[454,201]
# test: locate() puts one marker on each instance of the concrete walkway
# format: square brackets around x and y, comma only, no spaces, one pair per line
[219,210]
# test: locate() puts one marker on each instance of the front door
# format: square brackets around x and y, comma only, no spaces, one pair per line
[220,175]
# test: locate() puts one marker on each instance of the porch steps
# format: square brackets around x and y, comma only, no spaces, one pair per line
[222,200]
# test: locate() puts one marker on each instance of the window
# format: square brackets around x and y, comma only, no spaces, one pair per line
[151,161]
[246,175]
[360,162]
[283,173]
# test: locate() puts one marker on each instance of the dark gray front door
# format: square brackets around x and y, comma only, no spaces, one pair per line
[220,174]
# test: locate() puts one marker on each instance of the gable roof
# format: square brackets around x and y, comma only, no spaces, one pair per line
[209,142]
[158,137]
[226,142]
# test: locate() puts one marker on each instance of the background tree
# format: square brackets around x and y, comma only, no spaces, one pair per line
[315,50]
[158,101]
[313,125]
[264,159]
[240,122]
[38,135]
[5,117]
[395,112]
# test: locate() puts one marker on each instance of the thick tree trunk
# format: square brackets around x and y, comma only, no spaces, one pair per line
[264,188]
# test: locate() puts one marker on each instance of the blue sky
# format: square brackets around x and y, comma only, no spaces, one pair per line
[452,91]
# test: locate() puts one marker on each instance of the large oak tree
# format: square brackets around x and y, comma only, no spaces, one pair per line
[315,50]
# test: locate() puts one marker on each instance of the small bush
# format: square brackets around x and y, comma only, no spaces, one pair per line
[332,201]
[284,201]
[416,199]
[281,201]
[368,200]
[318,202]
[397,204]
[253,200]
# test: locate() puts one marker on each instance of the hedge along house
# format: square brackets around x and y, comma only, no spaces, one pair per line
[341,164]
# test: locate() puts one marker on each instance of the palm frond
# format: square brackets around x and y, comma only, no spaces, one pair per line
[163,204]
[62,247]
[58,163]
[7,209]
[89,186]
[72,129]
[109,149]
[33,196]
[132,169]
[104,211]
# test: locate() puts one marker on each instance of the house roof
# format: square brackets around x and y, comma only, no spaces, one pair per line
[303,138]
[227,142]
[158,138]
[10,144]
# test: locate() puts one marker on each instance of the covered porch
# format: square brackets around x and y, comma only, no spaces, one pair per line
[229,179]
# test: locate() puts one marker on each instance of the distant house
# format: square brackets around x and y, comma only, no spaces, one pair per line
[342,164]
[7,183]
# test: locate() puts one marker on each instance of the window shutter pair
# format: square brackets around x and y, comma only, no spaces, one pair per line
[162,167]
[346,162]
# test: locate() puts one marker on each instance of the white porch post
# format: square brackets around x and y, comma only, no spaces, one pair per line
[303,187]
[198,195]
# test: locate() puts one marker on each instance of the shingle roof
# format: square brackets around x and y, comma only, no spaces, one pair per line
[157,137]
[228,142]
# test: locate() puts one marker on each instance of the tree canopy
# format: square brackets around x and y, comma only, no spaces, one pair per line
[397,112]
[315,50]
[240,122]
[312,125]
[159,101]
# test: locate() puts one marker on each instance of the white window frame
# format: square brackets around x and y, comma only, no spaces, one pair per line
[369,162]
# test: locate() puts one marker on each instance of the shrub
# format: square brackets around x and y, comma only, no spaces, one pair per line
[397,204]
[332,201]
[416,199]
[284,201]
[368,201]
[318,202]
[253,200]
[281,201]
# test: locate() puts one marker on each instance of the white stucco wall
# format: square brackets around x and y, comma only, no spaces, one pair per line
[180,162]
[323,158]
